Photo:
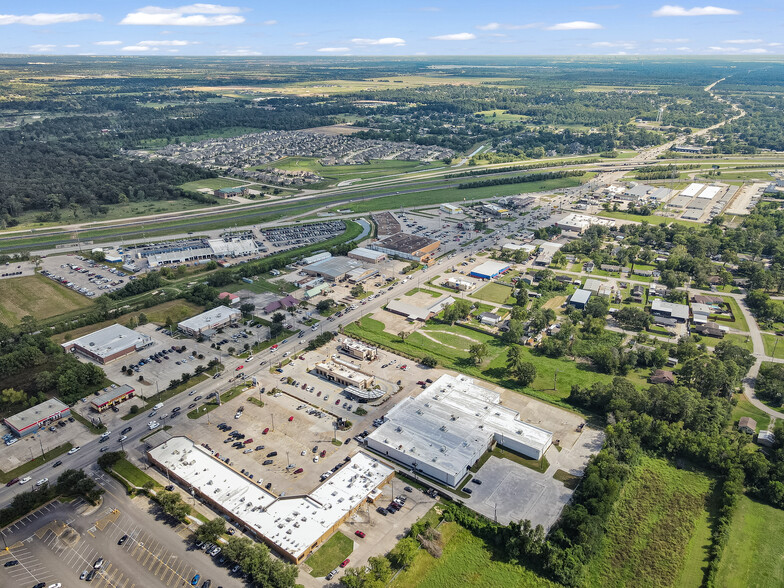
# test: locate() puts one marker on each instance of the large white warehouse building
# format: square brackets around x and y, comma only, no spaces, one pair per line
[446,429]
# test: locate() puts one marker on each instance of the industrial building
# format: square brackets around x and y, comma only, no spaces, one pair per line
[489,270]
[367,255]
[316,257]
[445,430]
[407,246]
[579,223]
[112,397]
[546,253]
[418,313]
[692,190]
[294,526]
[177,252]
[671,310]
[358,350]
[334,269]
[592,285]
[460,284]
[342,373]
[203,323]
[450,209]
[109,343]
[37,417]
[580,298]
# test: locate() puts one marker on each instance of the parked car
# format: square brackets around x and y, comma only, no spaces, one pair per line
[360,534]
[122,540]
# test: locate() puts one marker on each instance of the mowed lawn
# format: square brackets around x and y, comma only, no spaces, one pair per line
[494,292]
[330,555]
[466,561]
[754,554]
[38,297]
[649,534]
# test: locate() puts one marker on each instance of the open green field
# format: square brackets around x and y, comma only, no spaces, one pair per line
[330,555]
[494,292]
[178,310]
[651,219]
[131,473]
[213,184]
[648,540]
[746,408]
[769,340]
[739,321]
[451,194]
[424,290]
[466,561]
[499,115]
[453,354]
[339,173]
[735,338]
[38,297]
[752,557]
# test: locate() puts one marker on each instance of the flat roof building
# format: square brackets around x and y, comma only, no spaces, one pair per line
[418,313]
[334,269]
[592,285]
[407,246]
[316,257]
[580,222]
[109,343]
[677,312]
[450,209]
[357,349]
[446,429]
[342,374]
[546,253]
[367,255]
[490,269]
[580,298]
[294,526]
[112,397]
[459,284]
[37,417]
[207,321]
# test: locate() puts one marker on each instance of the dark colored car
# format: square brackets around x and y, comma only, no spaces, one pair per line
[13,562]
[267,462]
[57,463]
[126,430]
[476,481]
[381,510]
[468,490]
[12,482]
[122,540]
[272,454]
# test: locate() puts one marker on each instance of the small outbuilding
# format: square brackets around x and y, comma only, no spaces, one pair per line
[747,425]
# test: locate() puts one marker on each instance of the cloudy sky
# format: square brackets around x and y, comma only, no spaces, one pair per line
[403,27]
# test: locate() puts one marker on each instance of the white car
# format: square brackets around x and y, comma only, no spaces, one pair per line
[57,585]
[153,426]
[315,459]
[123,437]
[74,450]
[24,480]
[42,481]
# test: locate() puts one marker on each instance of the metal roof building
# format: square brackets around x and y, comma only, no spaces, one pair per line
[292,525]
[490,269]
[678,312]
[407,246]
[446,429]
[333,268]
[111,397]
[212,319]
[37,417]
[109,343]
[367,255]
[580,298]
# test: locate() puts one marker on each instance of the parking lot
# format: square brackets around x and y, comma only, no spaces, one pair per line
[29,446]
[83,275]
[17,269]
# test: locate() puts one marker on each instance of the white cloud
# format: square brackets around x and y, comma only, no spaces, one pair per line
[684,49]
[394,41]
[621,44]
[495,26]
[139,48]
[45,18]
[333,50]
[42,47]
[300,44]
[744,41]
[193,15]
[755,50]
[669,10]
[108,43]
[455,37]
[671,40]
[575,25]
[71,46]
[775,44]
[269,23]
[167,43]
[239,52]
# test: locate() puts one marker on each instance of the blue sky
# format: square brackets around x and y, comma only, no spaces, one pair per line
[402,27]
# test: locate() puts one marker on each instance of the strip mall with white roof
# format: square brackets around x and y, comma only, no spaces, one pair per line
[292,525]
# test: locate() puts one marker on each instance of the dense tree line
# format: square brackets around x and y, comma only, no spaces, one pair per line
[539,177]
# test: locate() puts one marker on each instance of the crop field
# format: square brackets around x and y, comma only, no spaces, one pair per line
[648,539]
[752,557]
[38,297]
[494,292]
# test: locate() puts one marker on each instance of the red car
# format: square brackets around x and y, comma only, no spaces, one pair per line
[402,367]
[265,431]
[337,402]
[12,482]
[239,367]
[420,383]
[345,563]
[298,471]
[248,441]
[274,347]
[360,534]
[291,418]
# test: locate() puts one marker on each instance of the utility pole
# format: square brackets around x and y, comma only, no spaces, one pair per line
[42,447]
[555,380]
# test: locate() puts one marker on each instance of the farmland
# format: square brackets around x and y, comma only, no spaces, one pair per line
[38,297]
[649,532]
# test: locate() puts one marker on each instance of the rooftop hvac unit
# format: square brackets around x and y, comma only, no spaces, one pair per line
[442,428]
[398,429]
[520,432]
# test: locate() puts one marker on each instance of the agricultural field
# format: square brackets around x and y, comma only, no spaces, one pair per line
[752,556]
[648,540]
[466,561]
[493,292]
[38,297]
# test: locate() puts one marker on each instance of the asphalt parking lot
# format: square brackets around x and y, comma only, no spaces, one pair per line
[12,456]
[97,278]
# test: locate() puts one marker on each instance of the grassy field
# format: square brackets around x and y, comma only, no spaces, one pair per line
[753,555]
[424,290]
[178,310]
[648,535]
[494,368]
[213,184]
[735,338]
[466,561]
[652,219]
[740,321]
[493,292]
[330,555]
[746,408]
[339,173]
[38,297]
[499,115]
[770,344]
[131,473]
